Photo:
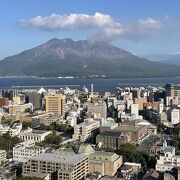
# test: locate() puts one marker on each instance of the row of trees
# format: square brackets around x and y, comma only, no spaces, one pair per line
[56,127]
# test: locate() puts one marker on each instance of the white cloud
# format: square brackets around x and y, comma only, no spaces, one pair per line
[106,27]
[56,21]
[150,23]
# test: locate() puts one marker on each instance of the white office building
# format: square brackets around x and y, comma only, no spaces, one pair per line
[31,134]
[85,129]
[135,110]
[175,117]
[22,152]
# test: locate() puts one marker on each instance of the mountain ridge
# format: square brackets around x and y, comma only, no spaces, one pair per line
[59,57]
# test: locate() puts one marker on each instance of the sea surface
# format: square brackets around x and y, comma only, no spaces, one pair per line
[100,84]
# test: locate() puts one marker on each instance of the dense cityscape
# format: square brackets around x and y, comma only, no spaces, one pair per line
[80,134]
[89,90]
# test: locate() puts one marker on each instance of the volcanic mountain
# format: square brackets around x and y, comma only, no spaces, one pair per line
[65,57]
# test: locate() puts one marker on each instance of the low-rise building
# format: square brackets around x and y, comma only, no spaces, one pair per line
[168,160]
[46,119]
[22,152]
[31,134]
[112,140]
[16,129]
[113,135]
[129,169]
[84,130]
[105,163]
[20,108]
[70,167]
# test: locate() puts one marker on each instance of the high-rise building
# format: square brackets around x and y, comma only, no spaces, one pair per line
[35,99]
[173,90]
[135,109]
[55,104]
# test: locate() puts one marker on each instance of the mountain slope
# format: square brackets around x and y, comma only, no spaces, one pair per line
[166,58]
[67,57]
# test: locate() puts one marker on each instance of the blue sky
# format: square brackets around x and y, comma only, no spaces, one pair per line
[139,26]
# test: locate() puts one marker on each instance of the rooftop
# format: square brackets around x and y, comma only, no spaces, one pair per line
[56,158]
[104,156]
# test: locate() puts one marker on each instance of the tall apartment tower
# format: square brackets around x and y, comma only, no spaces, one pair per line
[55,104]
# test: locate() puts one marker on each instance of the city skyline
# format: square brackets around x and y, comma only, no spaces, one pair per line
[139,27]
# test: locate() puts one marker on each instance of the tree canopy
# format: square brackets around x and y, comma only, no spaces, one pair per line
[7,142]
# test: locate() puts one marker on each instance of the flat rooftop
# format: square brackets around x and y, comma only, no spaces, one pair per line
[128,128]
[57,158]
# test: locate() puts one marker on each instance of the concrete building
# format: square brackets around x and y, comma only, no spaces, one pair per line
[168,160]
[84,130]
[55,104]
[2,156]
[137,131]
[31,134]
[140,102]
[172,90]
[35,99]
[112,140]
[106,163]
[22,152]
[4,102]
[69,167]
[46,119]
[21,108]
[129,169]
[15,129]
[100,109]
[135,110]
[174,116]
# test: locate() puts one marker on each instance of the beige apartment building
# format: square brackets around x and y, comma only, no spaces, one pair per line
[58,166]
[55,104]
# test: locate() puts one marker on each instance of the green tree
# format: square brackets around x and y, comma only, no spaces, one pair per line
[26,124]
[131,153]
[176,142]
[53,139]
[7,142]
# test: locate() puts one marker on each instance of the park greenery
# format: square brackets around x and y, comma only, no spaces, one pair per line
[131,153]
